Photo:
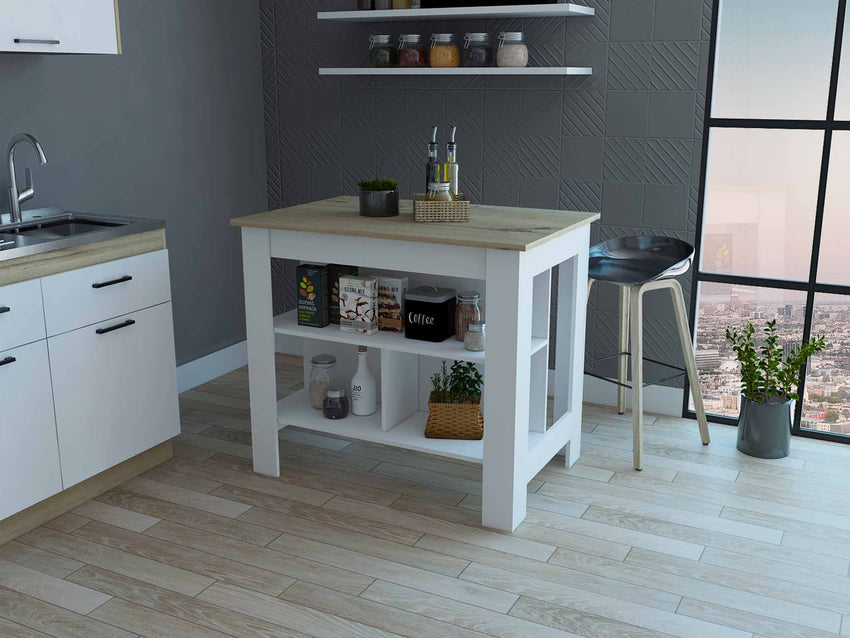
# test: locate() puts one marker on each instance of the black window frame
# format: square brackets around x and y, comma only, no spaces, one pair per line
[811,287]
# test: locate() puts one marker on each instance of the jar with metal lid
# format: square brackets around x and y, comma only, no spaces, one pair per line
[444,50]
[466,310]
[439,192]
[382,52]
[321,377]
[474,338]
[335,405]
[477,50]
[412,51]
[512,50]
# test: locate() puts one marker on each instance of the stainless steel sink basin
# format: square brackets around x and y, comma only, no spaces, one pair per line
[48,229]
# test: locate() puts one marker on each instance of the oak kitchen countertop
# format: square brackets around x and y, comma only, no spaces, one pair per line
[500,227]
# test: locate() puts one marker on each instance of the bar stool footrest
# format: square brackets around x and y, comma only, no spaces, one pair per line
[680,372]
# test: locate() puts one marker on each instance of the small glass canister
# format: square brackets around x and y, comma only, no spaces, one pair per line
[477,50]
[335,405]
[512,50]
[412,51]
[466,311]
[321,377]
[382,52]
[439,192]
[444,51]
[475,337]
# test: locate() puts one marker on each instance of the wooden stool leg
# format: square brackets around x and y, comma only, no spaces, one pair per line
[636,331]
[690,360]
[589,286]
[623,346]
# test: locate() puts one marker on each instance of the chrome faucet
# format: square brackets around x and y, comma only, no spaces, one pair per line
[16,197]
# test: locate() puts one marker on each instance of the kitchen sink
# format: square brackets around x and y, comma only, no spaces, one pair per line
[46,229]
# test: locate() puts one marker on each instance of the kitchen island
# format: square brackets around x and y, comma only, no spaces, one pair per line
[513,253]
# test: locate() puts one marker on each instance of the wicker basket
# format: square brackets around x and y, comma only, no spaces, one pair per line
[425,211]
[454,420]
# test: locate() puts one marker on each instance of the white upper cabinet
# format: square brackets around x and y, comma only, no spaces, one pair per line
[59,26]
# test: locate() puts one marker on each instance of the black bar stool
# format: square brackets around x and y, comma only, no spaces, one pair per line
[638,265]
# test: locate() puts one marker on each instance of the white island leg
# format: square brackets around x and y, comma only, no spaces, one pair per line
[506,381]
[256,265]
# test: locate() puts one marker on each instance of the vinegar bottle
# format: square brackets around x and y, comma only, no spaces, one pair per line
[432,168]
[451,168]
[364,388]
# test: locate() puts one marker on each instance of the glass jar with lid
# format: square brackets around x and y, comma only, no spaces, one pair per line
[466,311]
[444,51]
[439,192]
[477,50]
[335,405]
[474,338]
[321,378]
[382,52]
[412,51]
[512,50]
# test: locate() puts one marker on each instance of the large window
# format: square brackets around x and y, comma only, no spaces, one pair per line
[774,218]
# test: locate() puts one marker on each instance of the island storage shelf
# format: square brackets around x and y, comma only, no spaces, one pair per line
[468,70]
[557,10]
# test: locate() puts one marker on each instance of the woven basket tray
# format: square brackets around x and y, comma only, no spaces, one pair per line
[425,211]
[454,421]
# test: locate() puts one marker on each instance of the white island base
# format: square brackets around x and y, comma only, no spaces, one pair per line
[513,252]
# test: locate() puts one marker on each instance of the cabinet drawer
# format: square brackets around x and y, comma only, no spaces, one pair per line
[115,390]
[21,314]
[29,455]
[96,293]
[59,26]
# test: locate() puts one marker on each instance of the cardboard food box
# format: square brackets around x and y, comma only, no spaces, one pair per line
[312,286]
[335,271]
[358,304]
[391,291]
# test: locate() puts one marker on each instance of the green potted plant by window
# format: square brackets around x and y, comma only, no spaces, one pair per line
[379,197]
[454,407]
[770,377]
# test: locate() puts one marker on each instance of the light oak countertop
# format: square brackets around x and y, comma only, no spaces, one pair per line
[500,227]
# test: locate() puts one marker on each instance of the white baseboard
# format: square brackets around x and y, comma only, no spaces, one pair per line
[657,399]
[191,375]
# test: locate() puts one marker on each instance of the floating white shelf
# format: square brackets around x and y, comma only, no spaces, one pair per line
[560,10]
[489,70]
[287,324]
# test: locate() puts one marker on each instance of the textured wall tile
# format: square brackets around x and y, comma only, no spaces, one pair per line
[500,190]
[501,155]
[678,19]
[502,112]
[675,66]
[693,208]
[629,66]
[581,157]
[705,24]
[622,204]
[631,20]
[545,42]
[464,109]
[591,29]
[583,113]
[665,207]
[538,193]
[625,160]
[581,195]
[539,156]
[671,114]
[594,55]
[668,161]
[541,113]
[358,148]
[626,114]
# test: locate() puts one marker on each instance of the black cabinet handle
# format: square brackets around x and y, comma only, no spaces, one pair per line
[120,280]
[7,361]
[5,309]
[34,41]
[118,326]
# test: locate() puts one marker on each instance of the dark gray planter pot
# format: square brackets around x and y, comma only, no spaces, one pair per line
[764,429]
[379,203]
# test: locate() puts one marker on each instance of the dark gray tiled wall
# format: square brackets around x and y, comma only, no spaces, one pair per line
[624,142]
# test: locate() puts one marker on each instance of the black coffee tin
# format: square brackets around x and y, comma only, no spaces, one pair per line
[430,313]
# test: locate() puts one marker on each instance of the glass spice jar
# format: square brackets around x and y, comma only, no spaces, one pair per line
[335,405]
[512,50]
[321,377]
[477,51]
[411,51]
[474,338]
[439,192]
[382,52]
[444,51]
[466,311]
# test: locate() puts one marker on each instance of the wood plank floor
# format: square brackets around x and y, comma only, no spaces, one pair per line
[355,539]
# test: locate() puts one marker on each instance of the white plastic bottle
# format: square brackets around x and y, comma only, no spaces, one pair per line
[364,388]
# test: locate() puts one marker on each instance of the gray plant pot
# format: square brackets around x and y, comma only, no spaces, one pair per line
[379,203]
[764,429]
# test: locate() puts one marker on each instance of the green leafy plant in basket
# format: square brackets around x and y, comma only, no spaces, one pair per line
[455,402]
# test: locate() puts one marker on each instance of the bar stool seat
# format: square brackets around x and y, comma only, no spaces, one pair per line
[638,265]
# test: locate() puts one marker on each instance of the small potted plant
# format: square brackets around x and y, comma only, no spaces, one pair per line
[769,380]
[379,197]
[454,407]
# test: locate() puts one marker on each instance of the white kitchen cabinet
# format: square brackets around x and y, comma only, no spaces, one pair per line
[59,26]
[29,455]
[21,314]
[115,390]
